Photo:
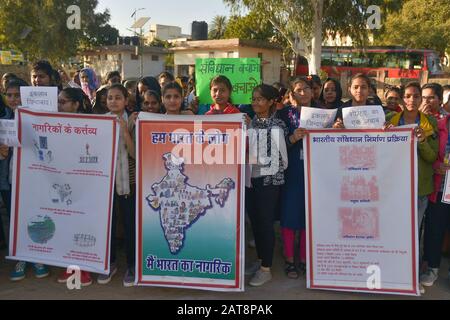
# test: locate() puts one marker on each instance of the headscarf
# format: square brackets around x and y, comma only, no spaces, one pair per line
[93,82]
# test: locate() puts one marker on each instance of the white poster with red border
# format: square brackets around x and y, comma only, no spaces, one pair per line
[364,237]
[62,192]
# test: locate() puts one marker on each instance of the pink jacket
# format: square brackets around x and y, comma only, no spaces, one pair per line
[443,138]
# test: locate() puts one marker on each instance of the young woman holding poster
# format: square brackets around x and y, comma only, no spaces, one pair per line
[42,75]
[427,137]
[266,183]
[12,99]
[293,192]
[72,100]
[124,195]
[437,219]
[359,90]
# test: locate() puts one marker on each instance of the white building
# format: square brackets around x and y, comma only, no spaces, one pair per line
[187,52]
[163,32]
[124,59]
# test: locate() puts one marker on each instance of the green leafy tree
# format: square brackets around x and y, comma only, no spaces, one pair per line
[40,28]
[419,24]
[251,26]
[303,23]
[217,27]
[248,27]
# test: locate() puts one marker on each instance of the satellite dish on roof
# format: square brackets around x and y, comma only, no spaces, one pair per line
[140,23]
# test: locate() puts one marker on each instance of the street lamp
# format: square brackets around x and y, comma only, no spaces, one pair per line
[139,24]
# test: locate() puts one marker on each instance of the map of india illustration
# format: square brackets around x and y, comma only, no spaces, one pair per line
[180,204]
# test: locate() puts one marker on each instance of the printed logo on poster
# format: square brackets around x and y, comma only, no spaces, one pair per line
[42,151]
[87,157]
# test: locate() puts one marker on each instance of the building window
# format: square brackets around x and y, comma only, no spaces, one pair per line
[230,54]
[106,57]
[211,55]
[120,56]
[134,56]
[155,58]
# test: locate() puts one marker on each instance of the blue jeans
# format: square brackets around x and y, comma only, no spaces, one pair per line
[422,204]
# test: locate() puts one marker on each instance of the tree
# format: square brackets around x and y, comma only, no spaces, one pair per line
[252,27]
[419,24]
[218,26]
[160,43]
[248,27]
[303,23]
[97,31]
[40,28]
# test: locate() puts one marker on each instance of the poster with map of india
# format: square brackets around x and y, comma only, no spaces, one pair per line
[190,201]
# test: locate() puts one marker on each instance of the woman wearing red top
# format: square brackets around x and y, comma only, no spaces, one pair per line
[221,89]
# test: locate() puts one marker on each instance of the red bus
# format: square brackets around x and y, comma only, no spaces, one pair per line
[396,62]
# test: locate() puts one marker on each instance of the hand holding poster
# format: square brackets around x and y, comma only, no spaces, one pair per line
[63,189]
[8,133]
[363,238]
[40,98]
[364,117]
[244,74]
[315,118]
[446,192]
[190,212]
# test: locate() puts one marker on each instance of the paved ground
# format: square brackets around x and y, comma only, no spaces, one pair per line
[280,288]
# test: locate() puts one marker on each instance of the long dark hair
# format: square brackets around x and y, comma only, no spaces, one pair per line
[337,102]
[77,95]
[16,83]
[149,82]
[97,108]
[269,93]
[13,83]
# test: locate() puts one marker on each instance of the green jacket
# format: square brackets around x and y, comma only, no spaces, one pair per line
[427,151]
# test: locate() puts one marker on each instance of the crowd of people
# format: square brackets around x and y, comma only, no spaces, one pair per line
[270,196]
